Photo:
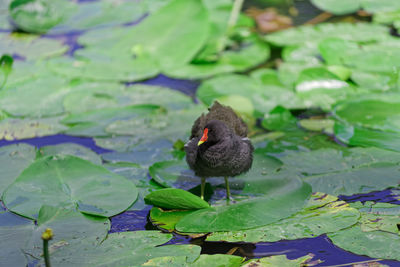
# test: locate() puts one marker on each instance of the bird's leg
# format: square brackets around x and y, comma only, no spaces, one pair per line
[228,192]
[203,185]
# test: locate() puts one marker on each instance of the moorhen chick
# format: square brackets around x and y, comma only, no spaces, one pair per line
[219,146]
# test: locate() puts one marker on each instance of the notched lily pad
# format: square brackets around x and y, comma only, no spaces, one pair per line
[172,198]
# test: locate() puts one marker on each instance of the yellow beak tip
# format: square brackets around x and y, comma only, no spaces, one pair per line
[200,142]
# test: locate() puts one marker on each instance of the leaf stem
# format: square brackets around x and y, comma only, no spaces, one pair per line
[233,17]
[46,236]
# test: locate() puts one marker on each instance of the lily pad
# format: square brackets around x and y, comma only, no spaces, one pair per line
[16,157]
[30,46]
[357,32]
[122,249]
[359,136]
[346,172]
[376,235]
[281,260]
[251,54]
[12,129]
[66,181]
[172,41]
[322,214]
[94,123]
[172,198]
[39,98]
[203,261]
[167,219]
[71,149]
[377,112]
[38,16]
[69,227]
[247,214]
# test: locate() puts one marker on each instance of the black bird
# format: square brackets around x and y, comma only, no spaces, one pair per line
[219,146]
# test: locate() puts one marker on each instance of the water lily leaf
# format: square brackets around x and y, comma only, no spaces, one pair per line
[15,229]
[277,119]
[173,198]
[105,67]
[89,15]
[346,172]
[66,181]
[172,41]
[11,129]
[30,46]
[122,249]
[373,80]
[377,112]
[376,235]
[319,87]
[358,32]
[16,157]
[38,98]
[170,125]
[6,63]
[93,123]
[203,260]
[325,125]
[281,260]
[69,227]
[359,136]
[71,149]
[264,98]
[247,214]
[167,219]
[38,16]
[138,175]
[340,7]
[252,53]
[322,214]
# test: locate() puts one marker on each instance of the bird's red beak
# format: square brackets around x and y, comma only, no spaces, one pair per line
[204,137]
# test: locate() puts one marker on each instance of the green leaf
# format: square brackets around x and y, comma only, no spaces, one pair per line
[39,98]
[345,172]
[281,260]
[247,214]
[359,136]
[277,119]
[71,149]
[338,7]
[167,219]
[16,157]
[322,214]
[376,235]
[358,32]
[123,249]
[203,260]
[14,129]
[38,16]
[172,198]
[15,230]
[69,182]
[318,125]
[251,54]
[6,62]
[30,46]
[95,122]
[377,112]
[172,41]
[69,227]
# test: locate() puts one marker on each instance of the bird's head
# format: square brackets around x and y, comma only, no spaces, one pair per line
[213,132]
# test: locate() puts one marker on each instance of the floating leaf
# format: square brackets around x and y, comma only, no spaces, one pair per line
[322,214]
[338,7]
[280,260]
[358,32]
[38,16]
[247,214]
[69,227]
[172,198]
[376,235]
[30,46]
[122,249]
[12,129]
[69,182]
[167,219]
[16,157]
[39,98]
[172,41]
[71,149]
